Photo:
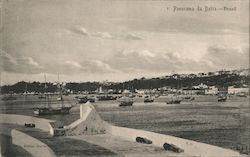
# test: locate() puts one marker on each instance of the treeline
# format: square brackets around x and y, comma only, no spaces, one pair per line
[221,81]
[175,81]
[22,87]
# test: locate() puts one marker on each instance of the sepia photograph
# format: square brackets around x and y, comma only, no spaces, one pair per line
[124,78]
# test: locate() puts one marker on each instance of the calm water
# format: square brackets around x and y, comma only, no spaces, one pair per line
[224,124]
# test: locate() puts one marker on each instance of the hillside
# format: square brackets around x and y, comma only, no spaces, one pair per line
[237,78]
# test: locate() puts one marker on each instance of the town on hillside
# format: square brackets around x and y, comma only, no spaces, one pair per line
[211,83]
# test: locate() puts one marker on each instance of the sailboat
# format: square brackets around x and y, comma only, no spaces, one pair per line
[59,86]
[48,109]
[174,100]
[149,98]
[125,101]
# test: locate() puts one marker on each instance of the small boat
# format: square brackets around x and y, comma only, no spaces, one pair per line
[126,102]
[148,100]
[222,98]
[91,99]
[242,94]
[187,97]
[51,111]
[174,100]
[85,99]
[106,97]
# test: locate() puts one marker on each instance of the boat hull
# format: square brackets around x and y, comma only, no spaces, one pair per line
[126,104]
[51,111]
[106,98]
[174,102]
[148,100]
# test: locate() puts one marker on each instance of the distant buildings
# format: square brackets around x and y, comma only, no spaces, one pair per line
[211,90]
[232,90]
[201,86]
[201,89]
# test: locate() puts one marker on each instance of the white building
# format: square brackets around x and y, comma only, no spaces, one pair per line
[140,91]
[126,91]
[211,90]
[201,86]
[232,90]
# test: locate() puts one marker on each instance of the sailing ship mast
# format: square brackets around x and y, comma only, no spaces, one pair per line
[45,93]
[49,110]
[1,83]
[60,91]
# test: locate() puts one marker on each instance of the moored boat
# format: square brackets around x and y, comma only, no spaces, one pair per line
[84,99]
[49,109]
[242,94]
[173,102]
[148,100]
[222,98]
[106,97]
[126,102]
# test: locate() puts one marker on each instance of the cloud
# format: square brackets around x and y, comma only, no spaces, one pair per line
[106,35]
[80,30]
[222,57]
[146,61]
[27,61]
[141,60]
[7,58]
[96,66]
[133,36]
[75,67]
[26,64]
[140,53]
[22,64]
[74,64]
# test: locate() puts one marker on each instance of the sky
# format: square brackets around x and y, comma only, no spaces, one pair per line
[119,40]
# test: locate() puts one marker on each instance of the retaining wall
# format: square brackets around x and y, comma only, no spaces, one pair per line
[40,123]
[31,145]
[190,147]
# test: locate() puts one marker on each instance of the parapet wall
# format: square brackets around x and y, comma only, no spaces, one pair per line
[35,147]
[190,147]
[40,123]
